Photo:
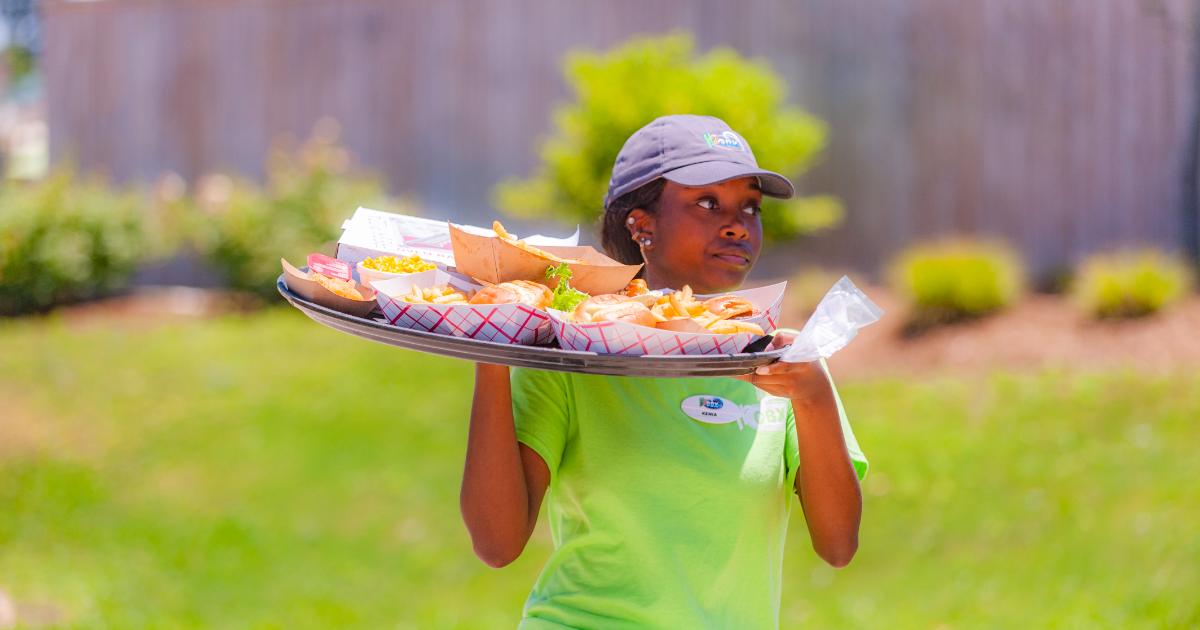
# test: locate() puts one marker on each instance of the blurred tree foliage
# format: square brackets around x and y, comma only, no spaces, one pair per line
[618,92]
[20,61]
[66,238]
[244,228]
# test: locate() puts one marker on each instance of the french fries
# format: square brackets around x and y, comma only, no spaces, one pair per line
[505,235]
[444,294]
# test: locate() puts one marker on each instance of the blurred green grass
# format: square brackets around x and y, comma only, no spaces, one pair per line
[263,472]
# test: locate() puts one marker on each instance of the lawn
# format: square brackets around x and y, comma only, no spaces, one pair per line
[260,471]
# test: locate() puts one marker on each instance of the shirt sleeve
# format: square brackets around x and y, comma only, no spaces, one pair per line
[541,412]
[792,452]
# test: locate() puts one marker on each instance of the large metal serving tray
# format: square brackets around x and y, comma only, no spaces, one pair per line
[546,358]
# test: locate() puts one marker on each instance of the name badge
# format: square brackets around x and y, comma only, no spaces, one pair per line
[769,414]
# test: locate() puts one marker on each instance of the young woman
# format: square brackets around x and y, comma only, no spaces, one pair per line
[660,520]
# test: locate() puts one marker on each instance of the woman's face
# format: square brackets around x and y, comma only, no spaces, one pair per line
[707,237]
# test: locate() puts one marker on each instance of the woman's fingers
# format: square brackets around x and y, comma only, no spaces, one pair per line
[779,367]
[783,379]
[770,368]
[782,339]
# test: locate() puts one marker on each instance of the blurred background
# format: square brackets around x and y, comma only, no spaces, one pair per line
[1016,183]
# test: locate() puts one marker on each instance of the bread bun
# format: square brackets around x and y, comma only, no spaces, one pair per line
[495,294]
[534,294]
[729,306]
[515,292]
[585,308]
[628,311]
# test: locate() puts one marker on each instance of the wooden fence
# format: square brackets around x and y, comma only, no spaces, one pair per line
[1059,125]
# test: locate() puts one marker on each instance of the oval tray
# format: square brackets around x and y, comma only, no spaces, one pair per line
[541,357]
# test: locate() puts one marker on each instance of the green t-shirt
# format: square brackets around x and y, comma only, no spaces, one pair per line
[668,501]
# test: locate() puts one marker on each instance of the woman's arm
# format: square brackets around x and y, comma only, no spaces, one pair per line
[504,481]
[826,482]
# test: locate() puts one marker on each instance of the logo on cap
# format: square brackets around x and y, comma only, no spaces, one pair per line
[725,140]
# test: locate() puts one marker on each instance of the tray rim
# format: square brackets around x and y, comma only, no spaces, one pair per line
[558,359]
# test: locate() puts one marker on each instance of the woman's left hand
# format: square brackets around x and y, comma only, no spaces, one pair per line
[796,381]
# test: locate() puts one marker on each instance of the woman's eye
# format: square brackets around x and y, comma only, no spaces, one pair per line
[708,203]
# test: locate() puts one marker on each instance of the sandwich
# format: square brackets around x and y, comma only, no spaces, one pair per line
[526,292]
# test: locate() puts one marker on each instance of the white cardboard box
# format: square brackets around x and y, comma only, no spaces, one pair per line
[368,233]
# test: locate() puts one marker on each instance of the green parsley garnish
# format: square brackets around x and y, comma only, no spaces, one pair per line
[566,298]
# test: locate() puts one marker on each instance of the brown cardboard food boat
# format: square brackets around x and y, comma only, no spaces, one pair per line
[298,282]
[493,259]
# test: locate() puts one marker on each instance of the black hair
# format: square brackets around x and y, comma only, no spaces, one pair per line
[614,234]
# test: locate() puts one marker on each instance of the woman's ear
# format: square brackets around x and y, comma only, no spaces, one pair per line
[640,224]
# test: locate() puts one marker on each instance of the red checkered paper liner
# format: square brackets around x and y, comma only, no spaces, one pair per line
[633,339]
[501,323]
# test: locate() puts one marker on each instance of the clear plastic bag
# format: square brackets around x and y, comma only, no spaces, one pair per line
[834,323]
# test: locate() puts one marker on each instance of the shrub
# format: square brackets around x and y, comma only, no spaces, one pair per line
[617,93]
[245,228]
[958,279]
[64,239]
[1130,283]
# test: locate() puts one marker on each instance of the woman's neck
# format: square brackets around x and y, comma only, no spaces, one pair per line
[660,279]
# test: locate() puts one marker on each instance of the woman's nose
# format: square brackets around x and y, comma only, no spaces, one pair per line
[735,230]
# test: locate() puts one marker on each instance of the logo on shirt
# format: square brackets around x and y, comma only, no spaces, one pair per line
[769,414]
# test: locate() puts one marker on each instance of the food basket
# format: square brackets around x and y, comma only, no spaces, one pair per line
[505,323]
[616,337]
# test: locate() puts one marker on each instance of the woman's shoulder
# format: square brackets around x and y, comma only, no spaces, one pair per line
[545,381]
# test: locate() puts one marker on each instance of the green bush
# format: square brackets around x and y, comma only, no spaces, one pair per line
[245,228]
[617,93]
[1130,283]
[64,239]
[958,279]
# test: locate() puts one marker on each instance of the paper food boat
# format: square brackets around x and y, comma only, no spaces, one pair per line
[297,282]
[501,323]
[633,339]
[492,259]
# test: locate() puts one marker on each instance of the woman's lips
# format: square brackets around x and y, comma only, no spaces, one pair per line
[736,260]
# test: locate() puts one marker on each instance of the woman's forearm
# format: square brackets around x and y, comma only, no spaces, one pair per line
[826,482]
[495,498]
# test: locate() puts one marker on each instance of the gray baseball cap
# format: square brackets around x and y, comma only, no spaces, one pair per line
[692,151]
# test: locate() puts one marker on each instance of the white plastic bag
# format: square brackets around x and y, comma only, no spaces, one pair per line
[836,321]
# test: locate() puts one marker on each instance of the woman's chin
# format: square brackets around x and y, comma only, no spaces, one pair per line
[719,280]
